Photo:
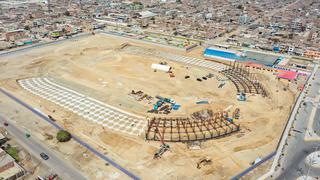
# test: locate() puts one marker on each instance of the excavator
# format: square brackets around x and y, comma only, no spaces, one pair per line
[163,147]
[203,162]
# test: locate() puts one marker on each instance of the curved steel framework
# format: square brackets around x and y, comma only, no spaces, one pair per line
[244,81]
[190,129]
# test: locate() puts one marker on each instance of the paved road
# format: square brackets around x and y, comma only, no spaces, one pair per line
[78,140]
[25,49]
[293,163]
[316,122]
[292,147]
[33,146]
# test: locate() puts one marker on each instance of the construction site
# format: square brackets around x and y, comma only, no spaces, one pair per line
[159,112]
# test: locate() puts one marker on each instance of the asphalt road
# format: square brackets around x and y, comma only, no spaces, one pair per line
[293,163]
[33,146]
[316,122]
[81,142]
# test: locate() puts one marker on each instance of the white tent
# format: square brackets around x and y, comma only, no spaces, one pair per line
[161,67]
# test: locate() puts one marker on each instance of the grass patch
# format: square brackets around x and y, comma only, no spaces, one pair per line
[13,152]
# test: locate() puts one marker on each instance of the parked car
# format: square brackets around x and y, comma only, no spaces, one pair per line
[44,156]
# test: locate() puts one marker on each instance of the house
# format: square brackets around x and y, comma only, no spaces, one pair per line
[147,14]
[312,54]
[9,169]
[15,35]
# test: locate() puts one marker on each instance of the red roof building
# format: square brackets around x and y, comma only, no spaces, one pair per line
[290,75]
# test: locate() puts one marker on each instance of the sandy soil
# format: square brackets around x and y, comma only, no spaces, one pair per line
[97,67]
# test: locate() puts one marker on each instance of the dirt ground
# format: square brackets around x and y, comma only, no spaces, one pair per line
[97,67]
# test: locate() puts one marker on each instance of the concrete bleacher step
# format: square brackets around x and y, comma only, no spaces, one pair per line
[83,106]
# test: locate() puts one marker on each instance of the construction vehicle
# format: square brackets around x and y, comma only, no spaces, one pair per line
[159,103]
[203,162]
[222,84]
[163,147]
[164,108]
[51,118]
[142,97]
[163,63]
[241,96]
[171,74]
[164,105]
[229,119]
[225,114]
[166,100]
[236,113]
[176,106]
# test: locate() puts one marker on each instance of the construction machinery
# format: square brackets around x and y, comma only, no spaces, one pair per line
[163,147]
[241,96]
[51,118]
[222,84]
[164,105]
[171,74]
[236,113]
[158,104]
[226,116]
[203,162]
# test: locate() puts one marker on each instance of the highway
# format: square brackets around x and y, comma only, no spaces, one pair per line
[33,146]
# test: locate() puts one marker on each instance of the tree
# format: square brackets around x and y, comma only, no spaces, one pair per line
[13,152]
[63,136]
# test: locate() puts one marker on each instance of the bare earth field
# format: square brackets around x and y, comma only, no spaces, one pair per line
[97,67]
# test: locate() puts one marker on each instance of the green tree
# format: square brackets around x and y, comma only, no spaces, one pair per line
[13,152]
[63,136]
